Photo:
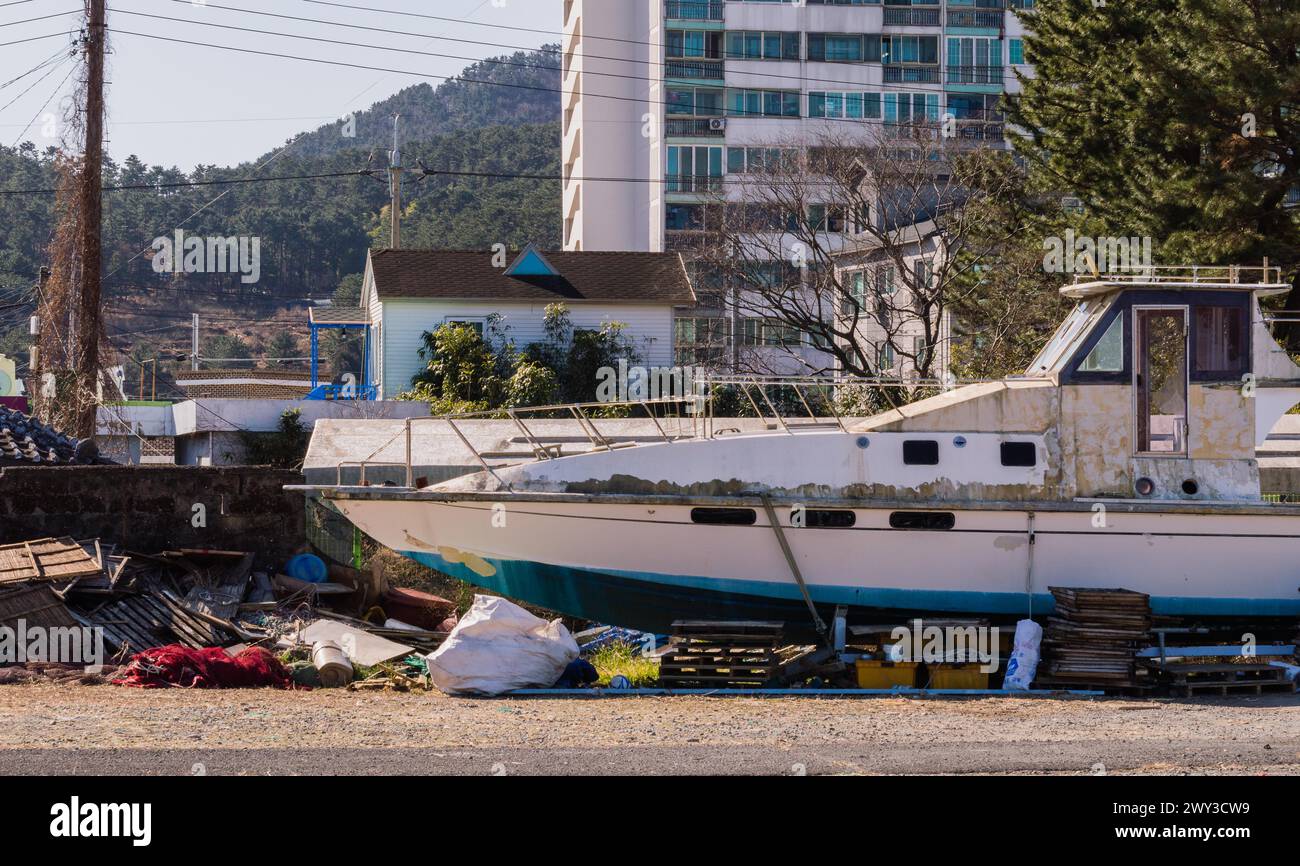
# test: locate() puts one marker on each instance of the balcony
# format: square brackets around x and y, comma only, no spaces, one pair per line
[699,70]
[694,183]
[974,75]
[693,10]
[975,18]
[911,17]
[902,73]
[696,127]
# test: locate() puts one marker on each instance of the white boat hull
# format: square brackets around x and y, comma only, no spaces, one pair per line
[643,564]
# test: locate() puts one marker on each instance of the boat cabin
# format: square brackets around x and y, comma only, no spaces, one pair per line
[1158,385]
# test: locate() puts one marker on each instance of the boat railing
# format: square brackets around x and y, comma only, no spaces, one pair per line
[790,404]
[1249,275]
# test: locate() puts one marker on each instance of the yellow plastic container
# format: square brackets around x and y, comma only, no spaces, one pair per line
[957,676]
[874,674]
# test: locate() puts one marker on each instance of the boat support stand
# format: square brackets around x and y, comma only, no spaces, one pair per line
[794,566]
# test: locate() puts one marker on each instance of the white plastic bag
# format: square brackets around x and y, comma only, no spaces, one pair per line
[1022,667]
[498,646]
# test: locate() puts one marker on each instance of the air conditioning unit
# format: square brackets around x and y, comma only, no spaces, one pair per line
[718,124]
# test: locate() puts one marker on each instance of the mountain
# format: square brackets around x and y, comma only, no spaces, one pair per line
[524,90]
[312,232]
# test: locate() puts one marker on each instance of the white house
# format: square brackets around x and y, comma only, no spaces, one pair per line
[408,292]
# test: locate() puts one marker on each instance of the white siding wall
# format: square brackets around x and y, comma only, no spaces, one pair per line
[650,328]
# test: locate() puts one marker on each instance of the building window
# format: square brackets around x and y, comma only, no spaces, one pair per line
[1016,52]
[909,49]
[885,358]
[694,169]
[763,103]
[911,107]
[838,104]
[762,45]
[760,160]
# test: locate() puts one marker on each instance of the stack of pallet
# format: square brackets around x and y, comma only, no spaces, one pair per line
[707,654]
[1094,636]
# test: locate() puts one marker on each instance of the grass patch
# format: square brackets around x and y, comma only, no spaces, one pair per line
[620,658]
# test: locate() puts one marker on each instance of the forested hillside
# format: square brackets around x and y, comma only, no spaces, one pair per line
[313,232]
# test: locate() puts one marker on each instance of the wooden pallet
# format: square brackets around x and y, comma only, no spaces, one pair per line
[53,559]
[709,653]
[1190,679]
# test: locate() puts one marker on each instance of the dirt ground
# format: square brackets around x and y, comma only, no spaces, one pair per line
[52,728]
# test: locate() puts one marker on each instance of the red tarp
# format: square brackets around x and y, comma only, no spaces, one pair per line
[209,668]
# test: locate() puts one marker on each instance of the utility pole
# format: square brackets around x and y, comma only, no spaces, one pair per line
[88,319]
[194,342]
[395,185]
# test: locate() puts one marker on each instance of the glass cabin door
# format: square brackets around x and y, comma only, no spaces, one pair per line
[1160,379]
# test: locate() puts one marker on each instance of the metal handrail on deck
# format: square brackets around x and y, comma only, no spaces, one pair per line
[699,405]
[1231,274]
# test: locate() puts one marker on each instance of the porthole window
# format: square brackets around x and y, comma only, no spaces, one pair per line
[724,516]
[1190,487]
[827,518]
[933,520]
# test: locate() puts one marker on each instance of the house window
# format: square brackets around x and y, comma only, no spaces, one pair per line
[477,323]
[1016,52]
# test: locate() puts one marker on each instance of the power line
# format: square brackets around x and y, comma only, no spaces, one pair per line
[1002,76]
[633,99]
[45,105]
[31,86]
[37,68]
[475,23]
[196,183]
[41,18]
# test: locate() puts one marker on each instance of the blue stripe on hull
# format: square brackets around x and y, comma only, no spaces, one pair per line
[651,601]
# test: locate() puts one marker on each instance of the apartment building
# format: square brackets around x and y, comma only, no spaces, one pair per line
[666,100]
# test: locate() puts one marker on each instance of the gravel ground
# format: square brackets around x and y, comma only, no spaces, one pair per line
[50,728]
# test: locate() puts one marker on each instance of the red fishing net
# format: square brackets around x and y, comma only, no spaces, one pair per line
[209,668]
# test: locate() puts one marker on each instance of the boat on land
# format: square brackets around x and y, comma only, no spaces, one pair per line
[1123,457]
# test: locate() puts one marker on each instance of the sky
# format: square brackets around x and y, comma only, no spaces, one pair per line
[182,105]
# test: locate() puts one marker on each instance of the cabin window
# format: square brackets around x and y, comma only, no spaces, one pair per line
[1019,454]
[1108,355]
[724,516]
[921,452]
[827,518]
[932,520]
[1219,341]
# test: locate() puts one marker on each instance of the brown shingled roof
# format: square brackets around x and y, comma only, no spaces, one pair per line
[644,278]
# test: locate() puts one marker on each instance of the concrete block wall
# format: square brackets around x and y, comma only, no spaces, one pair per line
[152,508]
